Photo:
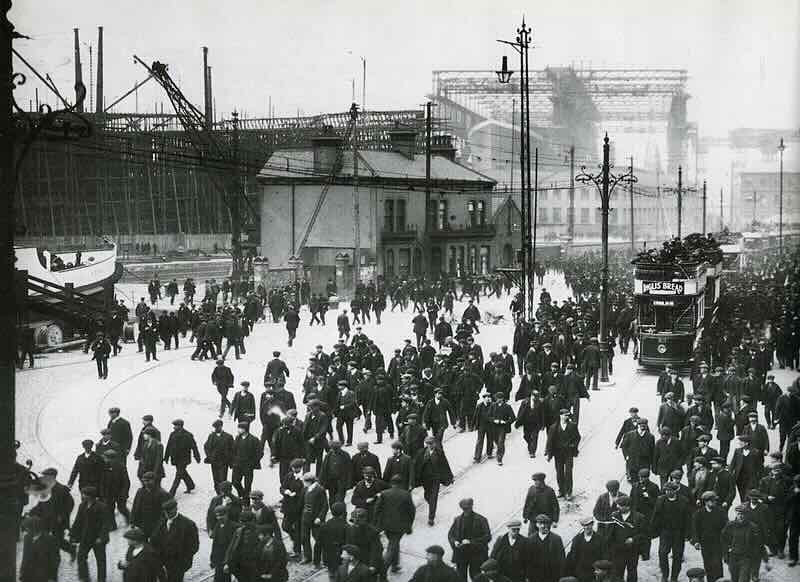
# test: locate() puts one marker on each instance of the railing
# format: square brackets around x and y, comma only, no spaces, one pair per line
[461,230]
[408,232]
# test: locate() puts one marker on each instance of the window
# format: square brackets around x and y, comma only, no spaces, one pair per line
[556,194]
[482,212]
[509,219]
[584,216]
[473,218]
[543,195]
[389,268]
[556,216]
[542,215]
[484,260]
[441,218]
[400,218]
[612,216]
[584,194]
[598,219]
[388,215]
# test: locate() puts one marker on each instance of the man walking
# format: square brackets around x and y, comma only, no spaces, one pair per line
[432,470]
[562,444]
[469,538]
[180,448]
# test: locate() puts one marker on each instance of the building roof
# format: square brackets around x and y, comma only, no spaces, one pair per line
[509,201]
[385,165]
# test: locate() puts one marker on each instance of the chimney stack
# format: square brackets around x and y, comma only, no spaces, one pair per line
[207,109]
[326,150]
[403,141]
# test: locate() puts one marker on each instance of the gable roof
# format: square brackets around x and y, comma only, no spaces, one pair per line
[509,201]
[386,165]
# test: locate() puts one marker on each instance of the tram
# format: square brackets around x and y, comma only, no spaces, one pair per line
[671,303]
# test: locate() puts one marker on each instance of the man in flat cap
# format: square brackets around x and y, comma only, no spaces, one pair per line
[563,439]
[757,433]
[671,523]
[742,546]
[315,429]
[586,548]
[352,568]
[490,572]
[603,570]
[243,407]
[512,553]
[146,510]
[435,568]
[540,499]
[668,454]
[218,450]
[746,466]
[181,446]
[638,447]
[246,458]
[222,378]
[707,525]
[176,541]
[141,562]
[394,515]
[89,532]
[469,537]
[547,551]
[628,539]
[55,509]
[431,470]
[87,467]
[501,416]
[147,423]
[121,432]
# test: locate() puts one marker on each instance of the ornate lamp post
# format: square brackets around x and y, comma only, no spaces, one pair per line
[781,147]
[605,182]
[528,259]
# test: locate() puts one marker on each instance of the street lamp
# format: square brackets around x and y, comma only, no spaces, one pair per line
[521,44]
[781,147]
[605,182]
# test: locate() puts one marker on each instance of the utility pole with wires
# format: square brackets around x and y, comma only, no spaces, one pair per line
[356,203]
[513,128]
[721,220]
[680,190]
[428,212]
[630,192]
[704,207]
[571,209]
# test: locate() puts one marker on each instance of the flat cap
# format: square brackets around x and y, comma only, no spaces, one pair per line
[538,476]
[623,501]
[135,534]
[633,410]
[243,424]
[148,417]
[466,502]
[696,573]
[90,490]
[543,518]
[602,565]
[113,410]
[169,503]
[217,423]
[435,549]
[708,495]
[586,520]
[489,566]
[177,422]
[514,523]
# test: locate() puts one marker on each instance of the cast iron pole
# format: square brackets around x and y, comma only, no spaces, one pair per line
[680,199]
[604,195]
[781,147]
[704,206]
[630,192]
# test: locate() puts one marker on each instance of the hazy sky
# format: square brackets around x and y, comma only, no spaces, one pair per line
[743,57]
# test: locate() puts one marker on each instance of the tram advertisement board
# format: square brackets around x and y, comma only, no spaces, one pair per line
[664,287]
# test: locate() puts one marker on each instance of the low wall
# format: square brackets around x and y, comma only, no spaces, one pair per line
[164,243]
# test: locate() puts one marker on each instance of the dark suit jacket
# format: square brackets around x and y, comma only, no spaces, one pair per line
[152,459]
[512,561]
[90,524]
[40,559]
[402,466]
[218,448]
[87,470]
[432,467]
[546,557]
[478,534]
[176,545]
[395,511]
[315,504]
[140,442]
[247,452]
[563,442]
[359,573]
[121,433]
[582,555]
[145,567]
[180,447]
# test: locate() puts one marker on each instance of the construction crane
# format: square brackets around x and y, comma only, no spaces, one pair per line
[209,148]
[333,172]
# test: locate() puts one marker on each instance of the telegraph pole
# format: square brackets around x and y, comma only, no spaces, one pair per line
[781,147]
[571,209]
[721,220]
[630,192]
[704,207]
[235,209]
[755,202]
[428,213]
[680,200]
[8,298]
[356,205]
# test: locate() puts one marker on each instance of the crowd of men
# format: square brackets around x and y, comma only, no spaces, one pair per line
[348,510]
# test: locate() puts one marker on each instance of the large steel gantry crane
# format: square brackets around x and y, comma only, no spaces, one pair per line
[210,149]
